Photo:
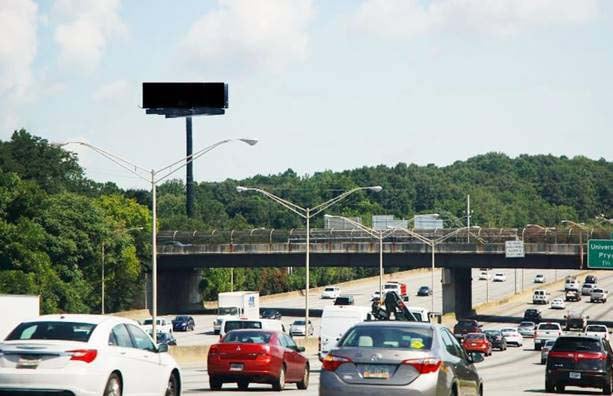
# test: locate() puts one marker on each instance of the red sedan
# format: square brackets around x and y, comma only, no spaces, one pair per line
[269,357]
[477,342]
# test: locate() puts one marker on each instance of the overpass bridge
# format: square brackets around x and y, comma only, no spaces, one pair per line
[181,254]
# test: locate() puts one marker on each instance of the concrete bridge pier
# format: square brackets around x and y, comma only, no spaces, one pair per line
[178,291]
[457,291]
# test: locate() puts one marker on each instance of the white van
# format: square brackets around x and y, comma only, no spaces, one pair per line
[335,321]
[264,324]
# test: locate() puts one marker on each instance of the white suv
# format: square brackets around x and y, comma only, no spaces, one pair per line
[598,294]
[331,292]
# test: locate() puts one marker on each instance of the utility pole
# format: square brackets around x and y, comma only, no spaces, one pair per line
[189,170]
[468,216]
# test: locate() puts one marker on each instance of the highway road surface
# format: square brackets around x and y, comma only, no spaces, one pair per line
[482,291]
[516,371]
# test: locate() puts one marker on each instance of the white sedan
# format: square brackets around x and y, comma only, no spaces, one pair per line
[499,277]
[331,292]
[558,303]
[86,355]
[512,336]
[484,275]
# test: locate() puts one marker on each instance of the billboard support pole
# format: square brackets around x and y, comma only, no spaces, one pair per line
[189,170]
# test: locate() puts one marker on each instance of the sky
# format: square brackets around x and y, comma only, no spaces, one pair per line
[322,84]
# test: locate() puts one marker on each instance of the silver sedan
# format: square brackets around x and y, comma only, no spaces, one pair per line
[399,358]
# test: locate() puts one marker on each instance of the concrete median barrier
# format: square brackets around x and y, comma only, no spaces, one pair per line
[189,354]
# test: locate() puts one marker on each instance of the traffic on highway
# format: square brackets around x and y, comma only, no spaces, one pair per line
[364,344]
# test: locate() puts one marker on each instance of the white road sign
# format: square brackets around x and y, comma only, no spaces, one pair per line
[514,249]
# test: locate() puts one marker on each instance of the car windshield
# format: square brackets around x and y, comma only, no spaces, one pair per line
[492,332]
[508,331]
[182,318]
[228,311]
[387,287]
[526,324]
[329,289]
[571,344]
[68,331]
[475,336]
[150,321]
[597,291]
[299,322]
[242,324]
[392,337]
[423,288]
[248,337]
[548,326]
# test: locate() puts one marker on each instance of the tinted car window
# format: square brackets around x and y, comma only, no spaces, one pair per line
[241,324]
[388,337]
[548,326]
[248,337]
[451,344]
[140,339]
[69,331]
[570,344]
[466,324]
[474,336]
[120,337]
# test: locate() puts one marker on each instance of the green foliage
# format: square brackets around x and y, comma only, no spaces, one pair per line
[53,224]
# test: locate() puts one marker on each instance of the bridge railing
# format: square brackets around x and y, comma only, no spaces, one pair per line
[298,236]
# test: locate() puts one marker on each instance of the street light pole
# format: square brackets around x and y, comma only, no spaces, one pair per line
[102,285]
[153,178]
[307,214]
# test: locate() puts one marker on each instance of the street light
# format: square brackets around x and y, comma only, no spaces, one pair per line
[379,234]
[432,243]
[307,214]
[119,232]
[581,227]
[153,177]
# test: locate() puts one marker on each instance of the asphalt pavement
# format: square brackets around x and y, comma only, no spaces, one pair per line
[513,372]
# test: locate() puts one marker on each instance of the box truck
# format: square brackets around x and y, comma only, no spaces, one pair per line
[335,321]
[237,305]
[17,308]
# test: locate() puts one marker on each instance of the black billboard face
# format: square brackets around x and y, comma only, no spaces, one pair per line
[185,95]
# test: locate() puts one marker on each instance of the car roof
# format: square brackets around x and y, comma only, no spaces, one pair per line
[394,323]
[91,319]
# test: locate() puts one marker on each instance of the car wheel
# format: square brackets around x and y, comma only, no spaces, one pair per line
[113,386]
[172,389]
[606,389]
[279,383]
[560,388]
[215,383]
[304,383]
[243,385]
[549,387]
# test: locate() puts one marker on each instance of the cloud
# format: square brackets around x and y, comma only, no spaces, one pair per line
[267,33]
[84,30]
[410,18]
[18,22]
[112,91]
[18,45]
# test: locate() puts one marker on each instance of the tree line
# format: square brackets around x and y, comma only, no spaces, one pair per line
[54,221]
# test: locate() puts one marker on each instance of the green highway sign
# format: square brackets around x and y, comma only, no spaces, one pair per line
[600,253]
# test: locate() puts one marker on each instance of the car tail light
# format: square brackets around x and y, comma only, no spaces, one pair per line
[424,366]
[331,362]
[591,355]
[83,355]
[562,355]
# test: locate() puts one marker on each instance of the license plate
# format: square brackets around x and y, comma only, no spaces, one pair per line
[28,363]
[236,367]
[376,372]
[473,344]
[572,375]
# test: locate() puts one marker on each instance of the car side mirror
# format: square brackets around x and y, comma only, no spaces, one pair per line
[300,349]
[480,326]
[162,348]
[475,357]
